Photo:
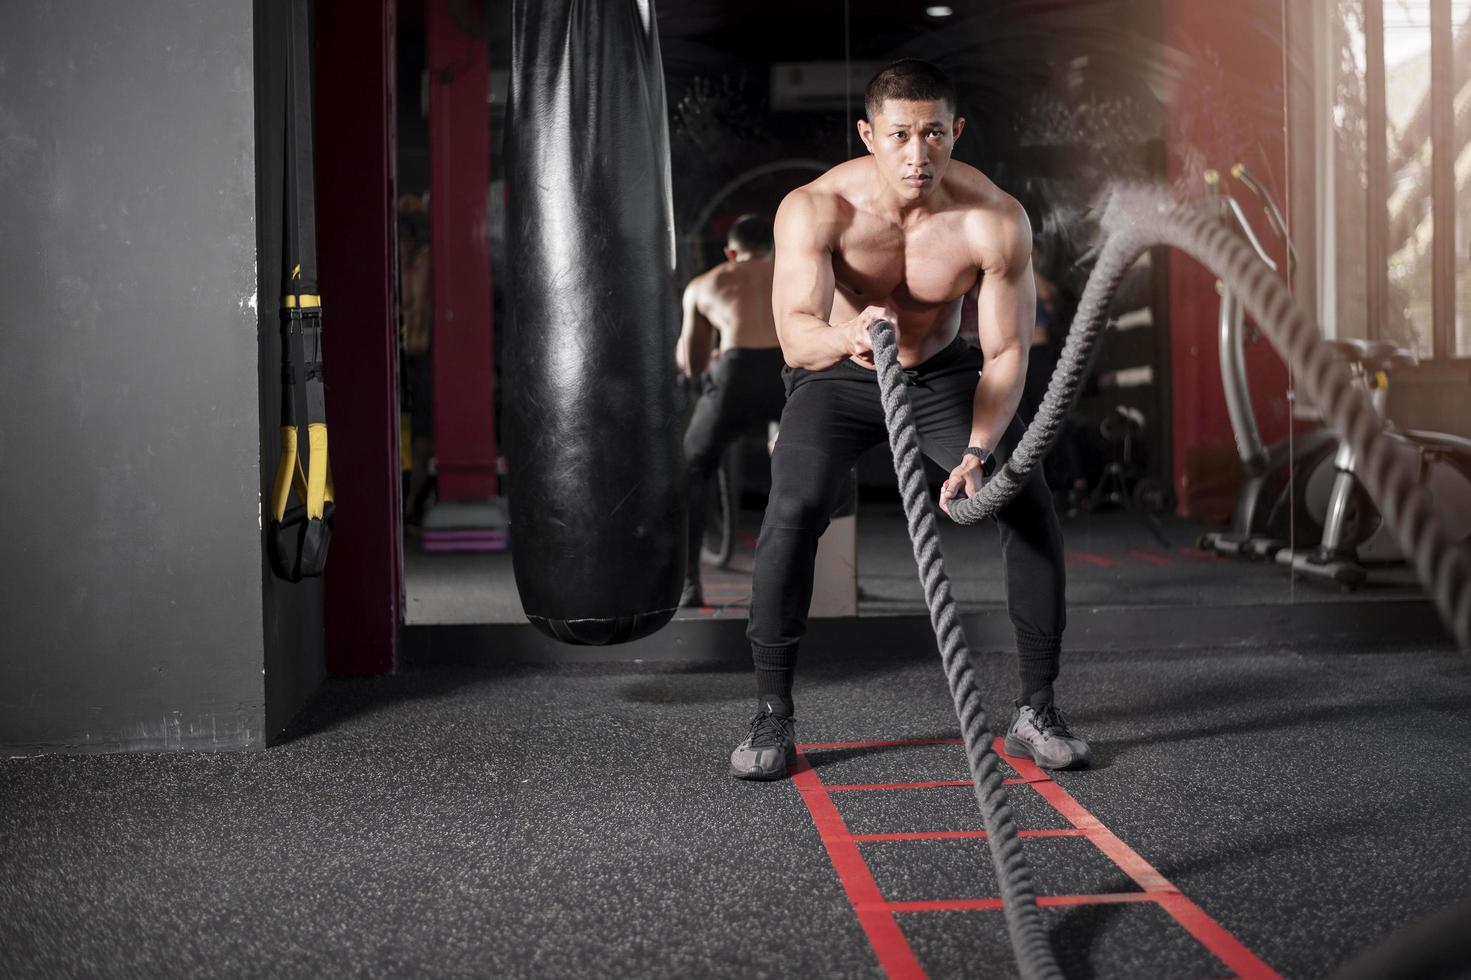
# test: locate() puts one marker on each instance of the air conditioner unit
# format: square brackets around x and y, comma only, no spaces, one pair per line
[821,86]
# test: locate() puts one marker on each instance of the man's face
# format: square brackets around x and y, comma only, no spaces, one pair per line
[912,142]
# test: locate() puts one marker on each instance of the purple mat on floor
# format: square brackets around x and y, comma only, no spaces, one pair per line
[466,539]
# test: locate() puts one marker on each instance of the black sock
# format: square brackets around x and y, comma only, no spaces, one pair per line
[1037,658]
[775,668]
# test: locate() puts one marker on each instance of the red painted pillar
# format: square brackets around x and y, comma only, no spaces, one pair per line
[1228,108]
[459,161]
[357,241]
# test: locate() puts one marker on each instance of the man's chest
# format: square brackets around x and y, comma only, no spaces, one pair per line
[926,266]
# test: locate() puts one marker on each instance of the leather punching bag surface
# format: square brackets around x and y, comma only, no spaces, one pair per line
[594,426]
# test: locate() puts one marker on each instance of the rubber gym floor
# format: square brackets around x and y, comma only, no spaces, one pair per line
[502,809]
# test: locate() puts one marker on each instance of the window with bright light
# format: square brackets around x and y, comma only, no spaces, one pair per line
[1378,203]
[1411,220]
[1461,14]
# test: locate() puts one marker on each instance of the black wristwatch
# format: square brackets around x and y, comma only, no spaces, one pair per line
[981,454]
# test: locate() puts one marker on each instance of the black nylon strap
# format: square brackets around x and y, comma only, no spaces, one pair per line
[301,304]
[299,257]
[299,535]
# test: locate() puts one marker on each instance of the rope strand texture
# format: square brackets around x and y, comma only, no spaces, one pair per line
[1029,940]
[1141,218]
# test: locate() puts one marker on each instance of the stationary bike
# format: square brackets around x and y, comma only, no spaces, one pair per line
[1354,533]
[1332,529]
[1280,505]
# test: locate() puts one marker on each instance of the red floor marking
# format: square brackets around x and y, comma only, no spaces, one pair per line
[1149,557]
[877,916]
[962,835]
[1091,558]
[1043,901]
[933,784]
[896,957]
[1209,933]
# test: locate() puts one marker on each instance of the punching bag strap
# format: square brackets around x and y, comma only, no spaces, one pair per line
[300,531]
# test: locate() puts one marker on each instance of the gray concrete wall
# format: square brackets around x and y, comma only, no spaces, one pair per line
[131,612]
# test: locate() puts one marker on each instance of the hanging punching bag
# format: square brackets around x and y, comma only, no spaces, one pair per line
[597,525]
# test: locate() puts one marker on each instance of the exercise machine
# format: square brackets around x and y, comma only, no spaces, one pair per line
[1280,505]
[1302,503]
[1355,536]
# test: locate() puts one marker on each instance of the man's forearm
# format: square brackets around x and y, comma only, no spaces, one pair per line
[998,393]
[812,343]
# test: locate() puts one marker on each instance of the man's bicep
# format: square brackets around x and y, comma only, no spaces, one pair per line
[1006,312]
[1007,301]
[802,280]
[802,284]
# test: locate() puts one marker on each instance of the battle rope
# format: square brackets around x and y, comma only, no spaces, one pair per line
[1018,892]
[1138,219]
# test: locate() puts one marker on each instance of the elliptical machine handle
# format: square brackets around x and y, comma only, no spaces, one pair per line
[1274,213]
[1231,214]
[1238,217]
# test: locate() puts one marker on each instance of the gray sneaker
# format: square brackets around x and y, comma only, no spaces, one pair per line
[1043,737]
[769,748]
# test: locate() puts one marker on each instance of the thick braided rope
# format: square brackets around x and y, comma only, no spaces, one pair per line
[1140,218]
[1034,954]
[1118,255]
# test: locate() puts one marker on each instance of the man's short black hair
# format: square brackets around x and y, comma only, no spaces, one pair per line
[911,80]
[750,233]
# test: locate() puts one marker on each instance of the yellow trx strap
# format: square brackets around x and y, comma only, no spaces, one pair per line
[299,534]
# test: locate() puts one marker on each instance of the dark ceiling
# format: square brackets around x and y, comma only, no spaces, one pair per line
[1058,94]
[991,47]
[700,33]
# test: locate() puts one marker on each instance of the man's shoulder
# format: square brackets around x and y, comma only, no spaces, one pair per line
[976,194]
[808,201]
[818,212]
[700,282]
[995,223]
[834,190]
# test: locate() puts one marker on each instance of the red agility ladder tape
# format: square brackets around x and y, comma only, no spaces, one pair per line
[961,835]
[896,957]
[1209,933]
[877,916]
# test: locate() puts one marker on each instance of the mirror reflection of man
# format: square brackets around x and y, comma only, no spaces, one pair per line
[731,303]
[903,234]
